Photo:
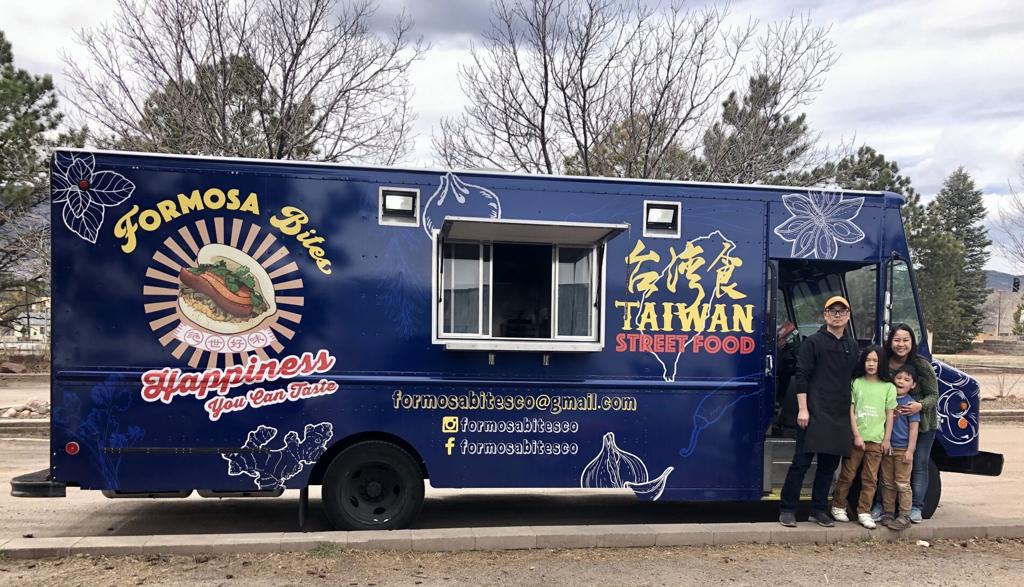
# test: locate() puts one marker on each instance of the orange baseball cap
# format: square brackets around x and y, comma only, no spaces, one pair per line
[837,300]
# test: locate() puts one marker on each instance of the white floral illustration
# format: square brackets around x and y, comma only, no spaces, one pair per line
[86,192]
[819,222]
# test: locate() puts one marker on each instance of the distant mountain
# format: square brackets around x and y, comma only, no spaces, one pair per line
[999,281]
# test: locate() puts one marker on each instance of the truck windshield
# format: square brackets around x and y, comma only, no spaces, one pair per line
[810,285]
[808,301]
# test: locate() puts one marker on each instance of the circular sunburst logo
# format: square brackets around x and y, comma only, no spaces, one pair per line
[234,293]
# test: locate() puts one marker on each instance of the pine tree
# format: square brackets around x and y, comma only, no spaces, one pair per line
[959,211]
[756,139]
[937,255]
[938,259]
[29,123]
[870,170]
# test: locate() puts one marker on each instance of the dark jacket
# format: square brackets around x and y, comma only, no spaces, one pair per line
[824,369]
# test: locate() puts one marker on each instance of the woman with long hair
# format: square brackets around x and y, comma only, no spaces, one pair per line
[901,349]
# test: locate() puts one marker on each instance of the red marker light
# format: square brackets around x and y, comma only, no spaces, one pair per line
[71,448]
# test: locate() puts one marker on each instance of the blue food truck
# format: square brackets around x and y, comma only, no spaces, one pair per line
[242,327]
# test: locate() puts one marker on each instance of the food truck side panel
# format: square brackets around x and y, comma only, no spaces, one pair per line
[162,395]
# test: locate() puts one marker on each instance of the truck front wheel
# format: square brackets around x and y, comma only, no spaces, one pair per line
[372,485]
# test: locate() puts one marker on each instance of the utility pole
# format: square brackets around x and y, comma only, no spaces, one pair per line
[28,317]
[999,312]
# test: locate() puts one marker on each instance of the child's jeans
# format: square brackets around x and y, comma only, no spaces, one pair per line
[896,478]
[871,457]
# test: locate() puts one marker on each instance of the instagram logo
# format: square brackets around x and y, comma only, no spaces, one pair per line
[450,424]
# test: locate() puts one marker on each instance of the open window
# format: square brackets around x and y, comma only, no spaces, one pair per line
[520,285]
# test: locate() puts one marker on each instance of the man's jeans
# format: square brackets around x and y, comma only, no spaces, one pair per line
[795,477]
[919,477]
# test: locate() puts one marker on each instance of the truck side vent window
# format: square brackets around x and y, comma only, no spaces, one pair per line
[399,207]
[662,219]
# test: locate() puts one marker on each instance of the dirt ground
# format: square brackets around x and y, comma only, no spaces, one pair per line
[1010,402]
[973,359]
[988,562]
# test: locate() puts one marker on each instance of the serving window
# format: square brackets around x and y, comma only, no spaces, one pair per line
[519,285]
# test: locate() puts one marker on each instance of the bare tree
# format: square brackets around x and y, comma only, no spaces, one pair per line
[1010,226]
[675,76]
[541,60]
[259,78]
[597,88]
[556,78]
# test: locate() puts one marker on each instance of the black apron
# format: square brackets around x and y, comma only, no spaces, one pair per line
[824,370]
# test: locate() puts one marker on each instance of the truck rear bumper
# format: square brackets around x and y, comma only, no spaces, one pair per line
[38,484]
[989,464]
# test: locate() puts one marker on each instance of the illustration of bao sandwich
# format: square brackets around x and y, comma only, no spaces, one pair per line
[227,292]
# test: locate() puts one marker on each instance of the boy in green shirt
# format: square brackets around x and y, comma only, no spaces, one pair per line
[871,414]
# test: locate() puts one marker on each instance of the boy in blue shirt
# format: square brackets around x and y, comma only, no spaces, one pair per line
[898,462]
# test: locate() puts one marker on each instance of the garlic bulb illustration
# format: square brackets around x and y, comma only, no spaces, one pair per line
[454,197]
[616,468]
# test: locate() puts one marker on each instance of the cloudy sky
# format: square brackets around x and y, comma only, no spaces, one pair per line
[933,85]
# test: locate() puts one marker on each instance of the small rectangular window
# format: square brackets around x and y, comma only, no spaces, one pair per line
[399,207]
[662,219]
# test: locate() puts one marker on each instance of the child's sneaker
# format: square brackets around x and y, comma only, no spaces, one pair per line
[840,515]
[885,519]
[866,521]
[877,513]
[915,515]
[900,523]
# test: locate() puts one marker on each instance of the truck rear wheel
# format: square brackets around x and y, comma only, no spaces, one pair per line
[372,485]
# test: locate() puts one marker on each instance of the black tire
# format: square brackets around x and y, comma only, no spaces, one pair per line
[372,485]
[934,493]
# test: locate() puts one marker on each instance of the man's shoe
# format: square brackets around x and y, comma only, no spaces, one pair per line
[787,519]
[877,513]
[900,523]
[840,514]
[822,519]
[915,515]
[866,521]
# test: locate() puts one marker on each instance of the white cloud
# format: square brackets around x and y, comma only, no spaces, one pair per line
[40,33]
[933,85]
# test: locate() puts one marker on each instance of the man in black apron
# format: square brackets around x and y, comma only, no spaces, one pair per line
[822,384]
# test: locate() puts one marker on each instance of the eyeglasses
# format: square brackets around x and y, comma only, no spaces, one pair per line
[837,312]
